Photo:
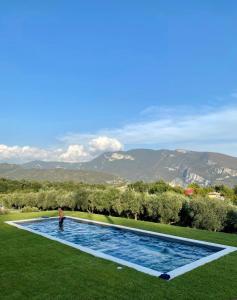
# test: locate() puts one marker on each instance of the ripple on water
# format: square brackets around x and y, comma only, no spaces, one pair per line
[149,251]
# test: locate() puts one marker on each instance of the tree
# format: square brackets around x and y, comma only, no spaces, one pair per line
[112,196]
[67,199]
[117,203]
[159,187]
[139,186]
[210,214]
[231,222]
[235,190]
[134,203]
[152,203]
[165,207]
[225,191]
[82,199]
[51,199]
[100,200]
[169,207]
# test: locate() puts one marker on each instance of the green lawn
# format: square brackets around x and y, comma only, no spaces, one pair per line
[33,267]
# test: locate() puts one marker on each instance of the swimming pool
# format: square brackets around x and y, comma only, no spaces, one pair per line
[153,253]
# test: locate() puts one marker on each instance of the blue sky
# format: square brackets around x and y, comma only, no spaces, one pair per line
[81,77]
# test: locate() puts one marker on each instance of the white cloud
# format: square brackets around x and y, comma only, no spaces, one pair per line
[208,129]
[21,153]
[104,143]
[17,154]
[214,126]
[74,152]
[205,130]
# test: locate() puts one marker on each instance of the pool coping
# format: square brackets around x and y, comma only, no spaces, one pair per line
[169,275]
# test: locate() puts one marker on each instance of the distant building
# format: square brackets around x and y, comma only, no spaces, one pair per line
[215,195]
[189,192]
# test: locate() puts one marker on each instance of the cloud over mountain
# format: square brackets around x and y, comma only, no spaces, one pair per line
[70,153]
[104,143]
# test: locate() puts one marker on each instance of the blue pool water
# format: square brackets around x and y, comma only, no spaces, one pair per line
[147,250]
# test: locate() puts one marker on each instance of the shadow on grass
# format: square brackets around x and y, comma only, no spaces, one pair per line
[109,219]
[89,216]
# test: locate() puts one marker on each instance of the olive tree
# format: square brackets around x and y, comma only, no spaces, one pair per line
[210,214]
[165,207]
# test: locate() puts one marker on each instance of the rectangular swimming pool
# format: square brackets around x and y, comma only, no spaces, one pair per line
[157,254]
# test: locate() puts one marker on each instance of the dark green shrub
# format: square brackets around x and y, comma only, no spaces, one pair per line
[210,214]
[159,187]
[231,222]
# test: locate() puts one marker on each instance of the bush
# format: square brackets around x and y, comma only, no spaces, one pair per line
[169,207]
[132,203]
[157,201]
[29,209]
[231,222]
[210,214]
[159,187]
[165,207]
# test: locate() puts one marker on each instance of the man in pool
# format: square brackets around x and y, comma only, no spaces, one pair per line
[60,218]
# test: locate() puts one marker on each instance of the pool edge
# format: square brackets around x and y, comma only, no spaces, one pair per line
[170,275]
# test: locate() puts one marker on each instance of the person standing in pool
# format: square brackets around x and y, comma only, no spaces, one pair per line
[60,218]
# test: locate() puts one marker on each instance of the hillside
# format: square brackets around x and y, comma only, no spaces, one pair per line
[179,167]
[18,172]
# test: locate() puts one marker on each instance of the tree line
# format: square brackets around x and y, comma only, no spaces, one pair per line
[157,202]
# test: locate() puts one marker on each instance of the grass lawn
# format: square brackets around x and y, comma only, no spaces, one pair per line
[33,267]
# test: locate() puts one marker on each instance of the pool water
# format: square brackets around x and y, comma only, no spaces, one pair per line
[154,252]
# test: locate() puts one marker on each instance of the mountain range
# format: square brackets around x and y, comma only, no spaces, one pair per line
[13,171]
[178,167]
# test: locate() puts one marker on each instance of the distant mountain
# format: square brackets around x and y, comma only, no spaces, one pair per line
[12,171]
[46,165]
[178,167]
